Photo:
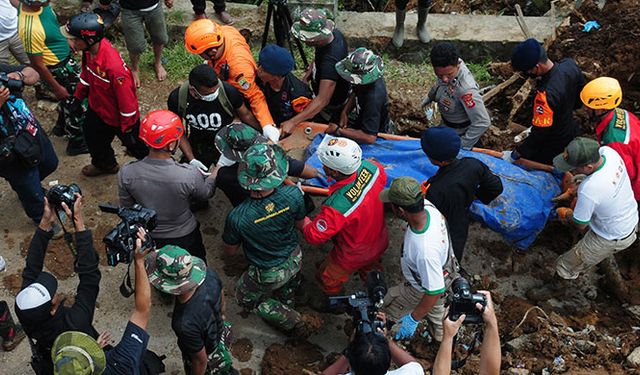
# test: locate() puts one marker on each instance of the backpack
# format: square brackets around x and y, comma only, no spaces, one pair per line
[183,96]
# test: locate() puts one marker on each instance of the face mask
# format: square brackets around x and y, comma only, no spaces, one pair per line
[210,97]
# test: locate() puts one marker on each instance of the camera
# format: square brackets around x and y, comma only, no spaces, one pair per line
[60,194]
[14,85]
[121,240]
[364,305]
[464,302]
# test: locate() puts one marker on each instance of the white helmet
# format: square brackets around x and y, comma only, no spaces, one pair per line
[340,154]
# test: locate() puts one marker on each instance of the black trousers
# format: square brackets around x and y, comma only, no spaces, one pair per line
[199,6]
[192,242]
[99,136]
[402,4]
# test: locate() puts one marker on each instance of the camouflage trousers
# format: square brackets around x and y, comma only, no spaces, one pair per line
[219,361]
[71,119]
[270,292]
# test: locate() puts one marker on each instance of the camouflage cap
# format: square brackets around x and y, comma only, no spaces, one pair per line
[76,353]
[314,25]
[361,67]
[234,139]
[171,269]
[404,191]
[263,166]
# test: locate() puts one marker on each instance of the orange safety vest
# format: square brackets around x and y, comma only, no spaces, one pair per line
[542,113]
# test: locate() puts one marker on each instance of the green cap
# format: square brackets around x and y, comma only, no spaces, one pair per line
[314,25]
[361,67]
[580,152]
[263,167]
[76,353]
[234,139]
[171,269]
[404,191]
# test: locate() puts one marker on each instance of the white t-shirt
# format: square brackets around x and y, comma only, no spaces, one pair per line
[411,368]
[8,20]
[424,253]
[605,199]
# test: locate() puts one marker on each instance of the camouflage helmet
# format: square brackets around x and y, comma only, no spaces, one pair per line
[263,167]
[233,140]
[171,269]
[360,67]
[314,25]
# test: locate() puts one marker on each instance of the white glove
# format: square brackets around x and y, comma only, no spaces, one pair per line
[271,132]
[425,102]
[201,167]
[225,162]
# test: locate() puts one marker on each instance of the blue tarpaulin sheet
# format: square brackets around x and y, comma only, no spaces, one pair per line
[519,213]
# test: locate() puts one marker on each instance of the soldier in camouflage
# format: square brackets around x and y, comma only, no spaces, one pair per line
[368,101]
[204,337]
[456,92]
[265,228]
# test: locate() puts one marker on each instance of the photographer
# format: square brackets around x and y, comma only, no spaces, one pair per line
[490,355]
[26,154]
[78,353]
[40,310]
[372,354]
[161,183]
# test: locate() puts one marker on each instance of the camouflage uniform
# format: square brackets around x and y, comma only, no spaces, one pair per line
[361,67]
[313,25]
[219,361]
[70,117]
[461,106]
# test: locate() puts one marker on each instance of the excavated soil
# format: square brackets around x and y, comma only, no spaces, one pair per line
[242,349]
[294,357]
[529,8]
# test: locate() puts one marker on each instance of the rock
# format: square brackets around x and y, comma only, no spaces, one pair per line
[586,346]
[633,360]
[518,371]
[634,311]
[518,342]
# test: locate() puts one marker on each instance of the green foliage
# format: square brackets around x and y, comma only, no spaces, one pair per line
[401,73]
[176,17]
[177,61]
[481,73]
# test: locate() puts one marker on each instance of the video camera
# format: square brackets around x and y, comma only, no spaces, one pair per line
[66,194]
[464,302]
[364,305]
[14,85]
[121,240]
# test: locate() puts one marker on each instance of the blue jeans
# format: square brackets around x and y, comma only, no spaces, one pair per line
[26,181]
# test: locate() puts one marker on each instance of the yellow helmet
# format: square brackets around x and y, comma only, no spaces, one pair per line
[602,93]
[202,35]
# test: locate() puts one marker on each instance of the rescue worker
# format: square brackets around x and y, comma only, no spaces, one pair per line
[605,208]
[457,94]
[364,70]
[615,127]
[226,50]
[50,55]
[286,94]
[421,27]
[108,84]
[265,227]
[161,183]
[206,105]
[352,216]
[427,261]
[457,183]
[557,96]
[331,91]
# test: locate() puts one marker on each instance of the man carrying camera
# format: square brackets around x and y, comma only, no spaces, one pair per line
[76,352]
[428,263]
[490,354]
[26,153]
[40,310]
[161,183]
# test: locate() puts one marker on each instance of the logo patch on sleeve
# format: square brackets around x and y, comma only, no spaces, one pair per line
[468,101]
[321,225]
[242,82]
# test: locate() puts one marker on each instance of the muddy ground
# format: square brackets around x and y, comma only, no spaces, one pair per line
[588,331]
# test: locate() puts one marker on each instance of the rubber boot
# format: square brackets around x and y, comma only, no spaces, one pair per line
[398,33]
[421,27]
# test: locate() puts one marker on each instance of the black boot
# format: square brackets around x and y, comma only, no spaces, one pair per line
[421,27]
[398,33]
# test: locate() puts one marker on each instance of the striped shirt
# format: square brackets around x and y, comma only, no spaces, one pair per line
[41,36]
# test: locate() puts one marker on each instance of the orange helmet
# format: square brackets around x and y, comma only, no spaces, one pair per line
[602,93]
[202,35]
[161,127]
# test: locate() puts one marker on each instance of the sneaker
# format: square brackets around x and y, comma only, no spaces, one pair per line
[18,336]
[93,171]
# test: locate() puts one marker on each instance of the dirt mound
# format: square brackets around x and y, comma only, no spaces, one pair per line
[13,282]
[242,349]
[294,357]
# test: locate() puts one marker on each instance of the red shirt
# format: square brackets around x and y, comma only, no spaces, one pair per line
[108,83]
[353,216]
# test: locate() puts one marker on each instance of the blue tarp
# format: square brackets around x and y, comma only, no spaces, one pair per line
[519,213]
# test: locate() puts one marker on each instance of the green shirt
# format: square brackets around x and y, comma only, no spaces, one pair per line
[266,227]
[41,36]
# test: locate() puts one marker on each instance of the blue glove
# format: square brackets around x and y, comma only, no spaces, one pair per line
[590,25]
[408,327]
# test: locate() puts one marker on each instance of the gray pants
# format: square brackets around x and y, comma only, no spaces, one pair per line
[133,23]
[13,46]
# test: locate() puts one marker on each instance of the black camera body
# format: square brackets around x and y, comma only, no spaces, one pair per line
[60,194]
[464,302]
[363,305]
[120,242]
[14,85]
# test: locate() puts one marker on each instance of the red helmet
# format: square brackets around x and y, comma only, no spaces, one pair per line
[161,127]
